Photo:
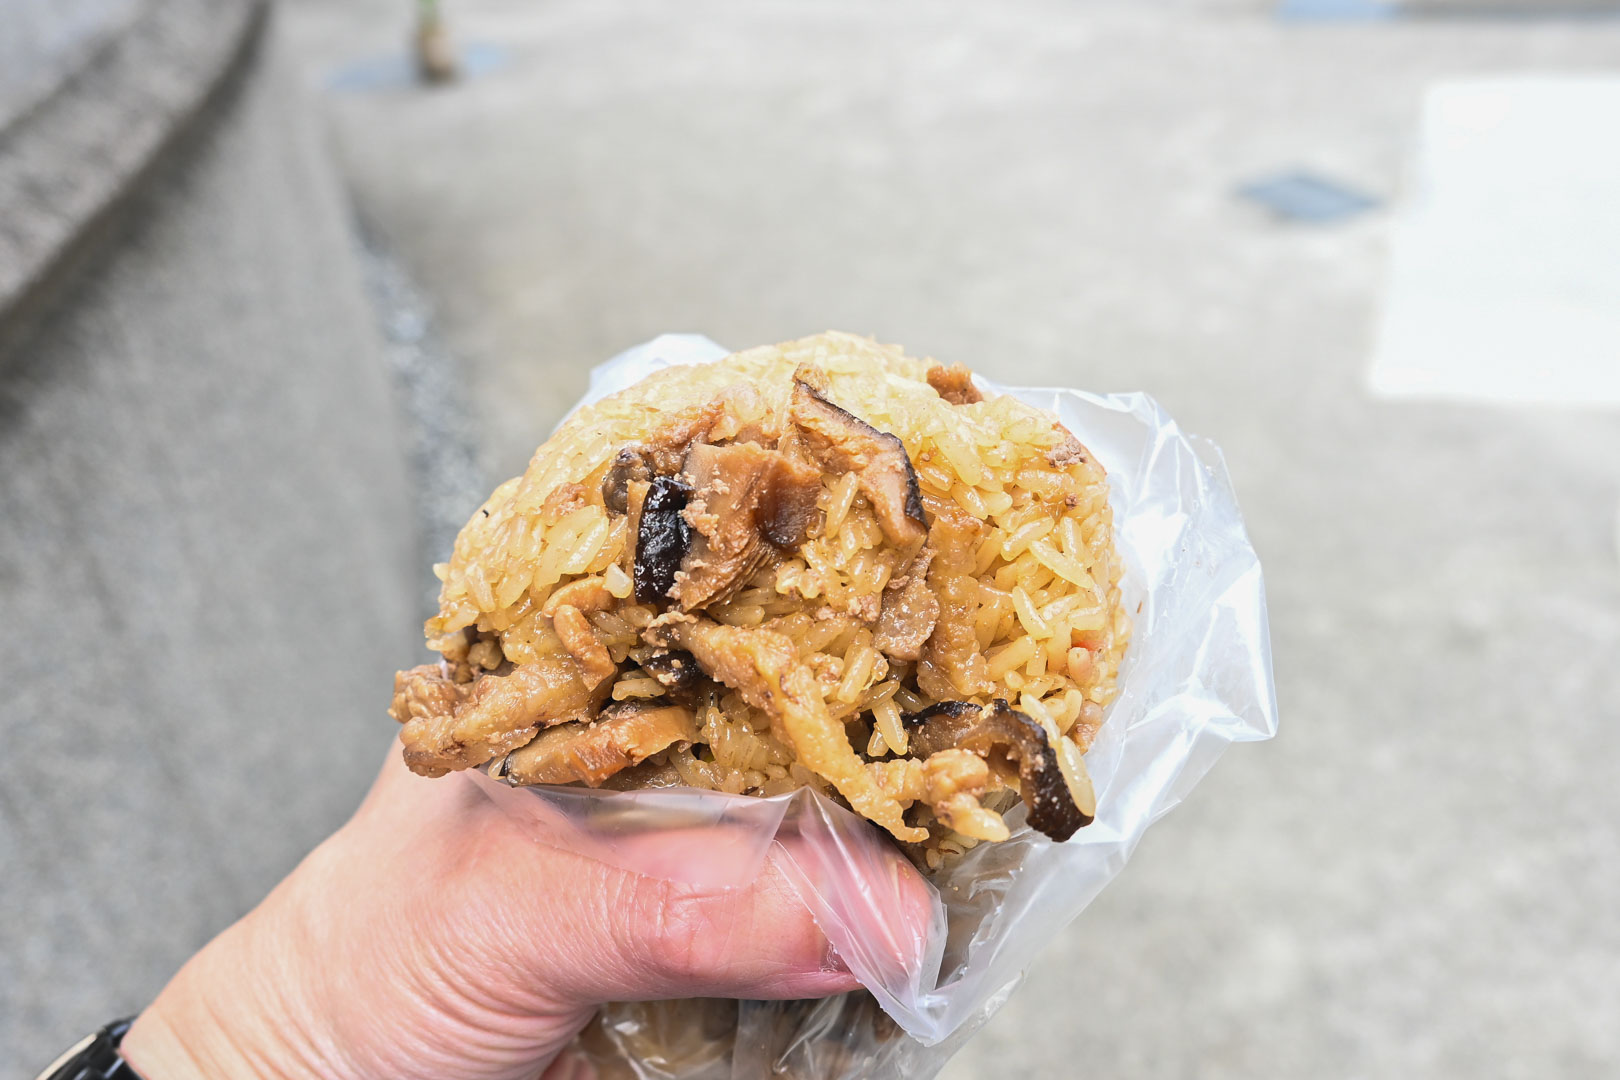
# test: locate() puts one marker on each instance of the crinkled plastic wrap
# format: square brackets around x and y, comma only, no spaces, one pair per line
[1197,676]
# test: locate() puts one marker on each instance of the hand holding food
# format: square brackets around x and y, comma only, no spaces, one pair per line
[821,569]
[432,937]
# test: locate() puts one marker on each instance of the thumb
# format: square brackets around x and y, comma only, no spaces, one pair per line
[663,939]
[754,941]
[566,931]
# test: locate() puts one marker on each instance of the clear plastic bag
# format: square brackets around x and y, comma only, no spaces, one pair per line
[1196,677]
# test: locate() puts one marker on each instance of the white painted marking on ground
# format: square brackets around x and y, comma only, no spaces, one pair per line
[1505,271]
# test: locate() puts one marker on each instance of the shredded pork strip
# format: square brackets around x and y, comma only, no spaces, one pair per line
[763,666]
[574,629]
[624,737]
[952,665]
[460,725]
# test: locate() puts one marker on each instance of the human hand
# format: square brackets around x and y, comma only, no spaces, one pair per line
[432,937]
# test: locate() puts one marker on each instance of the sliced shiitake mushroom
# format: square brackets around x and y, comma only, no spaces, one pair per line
[940,726]
[629,465]
[842,442]
[662,538]
[677,671]
[1001,729]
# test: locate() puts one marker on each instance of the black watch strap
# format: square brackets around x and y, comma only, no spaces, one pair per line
[96,1057]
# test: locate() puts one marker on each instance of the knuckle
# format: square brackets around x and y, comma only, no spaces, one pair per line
[690,933]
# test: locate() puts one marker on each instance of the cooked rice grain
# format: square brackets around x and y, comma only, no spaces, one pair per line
[1041,616]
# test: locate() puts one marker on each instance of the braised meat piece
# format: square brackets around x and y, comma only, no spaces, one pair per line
[624,736]
[842,442]
[952,665]
[1067,452]
[450,725]
[585,594]
[954,384]
[743,495]
[596,664]
[956,780]
[952,782]
[665,449]
[909,612]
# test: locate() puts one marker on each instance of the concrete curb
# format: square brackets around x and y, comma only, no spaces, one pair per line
[71,160]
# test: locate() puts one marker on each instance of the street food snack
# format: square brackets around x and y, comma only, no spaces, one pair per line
[822,564]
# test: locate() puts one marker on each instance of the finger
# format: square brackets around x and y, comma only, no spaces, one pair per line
[605,934]
[593,933]
[881,914]
[760,941]
[587,933]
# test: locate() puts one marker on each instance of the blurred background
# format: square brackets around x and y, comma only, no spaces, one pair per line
[284,289]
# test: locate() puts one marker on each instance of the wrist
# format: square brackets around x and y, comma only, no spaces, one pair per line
[202,1026]
[155,1049]
[241,1008]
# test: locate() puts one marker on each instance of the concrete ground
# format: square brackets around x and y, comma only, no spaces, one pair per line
[46,41]
[1418,877]
[206,566]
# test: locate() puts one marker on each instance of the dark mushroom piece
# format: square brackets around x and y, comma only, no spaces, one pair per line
[678,673]
[1001,729]
[787,505]
[630,464]
[649,774]
[662,538]
[940,726]
[842,442]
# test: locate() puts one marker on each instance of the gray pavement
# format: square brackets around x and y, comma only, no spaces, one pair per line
[103,92]
[206,564]
[46,41]
[1418,877]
